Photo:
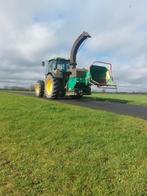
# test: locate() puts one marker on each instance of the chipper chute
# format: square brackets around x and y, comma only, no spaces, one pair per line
[76,46]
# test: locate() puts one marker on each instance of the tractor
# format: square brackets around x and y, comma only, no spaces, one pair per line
[63,78]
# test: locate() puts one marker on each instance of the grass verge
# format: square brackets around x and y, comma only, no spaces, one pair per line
[136,99]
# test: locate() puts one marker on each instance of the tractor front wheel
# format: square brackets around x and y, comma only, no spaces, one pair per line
[52,87]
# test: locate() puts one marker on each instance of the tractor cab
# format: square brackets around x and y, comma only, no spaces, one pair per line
[60,64]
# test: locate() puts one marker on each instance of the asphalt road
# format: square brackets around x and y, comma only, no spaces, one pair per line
[119,108]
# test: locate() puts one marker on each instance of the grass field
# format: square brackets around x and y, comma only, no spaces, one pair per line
[137,99]
[47,148]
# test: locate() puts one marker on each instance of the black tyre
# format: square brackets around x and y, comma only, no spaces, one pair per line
[39,88]
[52,87]
[76,96]
[63,93]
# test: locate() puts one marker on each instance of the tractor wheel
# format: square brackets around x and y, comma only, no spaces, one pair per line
[39,88]
[52,87]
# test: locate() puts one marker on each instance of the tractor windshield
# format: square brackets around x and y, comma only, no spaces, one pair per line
[63,65]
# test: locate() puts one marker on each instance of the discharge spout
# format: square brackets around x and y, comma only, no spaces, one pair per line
[75,47]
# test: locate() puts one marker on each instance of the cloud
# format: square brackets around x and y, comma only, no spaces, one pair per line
[34,30]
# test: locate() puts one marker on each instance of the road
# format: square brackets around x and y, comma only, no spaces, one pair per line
[119,108]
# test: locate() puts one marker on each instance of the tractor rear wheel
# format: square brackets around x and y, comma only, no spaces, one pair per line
[52,87]
[39,88]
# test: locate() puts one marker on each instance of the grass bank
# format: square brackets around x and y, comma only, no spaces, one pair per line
[137,99]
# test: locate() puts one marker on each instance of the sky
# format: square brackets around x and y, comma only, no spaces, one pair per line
[36,30]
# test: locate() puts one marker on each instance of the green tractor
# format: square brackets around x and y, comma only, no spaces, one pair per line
[63,78]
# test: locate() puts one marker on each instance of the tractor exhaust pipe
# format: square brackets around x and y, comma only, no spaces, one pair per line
[75,47]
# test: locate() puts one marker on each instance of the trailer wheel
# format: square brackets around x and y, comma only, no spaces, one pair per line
[52,87]
[78,96]
[39,88]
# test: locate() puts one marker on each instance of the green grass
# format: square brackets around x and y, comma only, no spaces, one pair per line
[137,99]
[48,148]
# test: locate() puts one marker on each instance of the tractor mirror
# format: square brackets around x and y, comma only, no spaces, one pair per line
[43,63]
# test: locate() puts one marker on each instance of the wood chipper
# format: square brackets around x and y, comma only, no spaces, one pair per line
[63,78]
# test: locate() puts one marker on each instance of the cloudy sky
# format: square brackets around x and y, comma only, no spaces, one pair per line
[36,30]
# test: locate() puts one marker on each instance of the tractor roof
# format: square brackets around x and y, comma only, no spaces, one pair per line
[58,58]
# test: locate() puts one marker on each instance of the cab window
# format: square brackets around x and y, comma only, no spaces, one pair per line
[61,66]
[53,65]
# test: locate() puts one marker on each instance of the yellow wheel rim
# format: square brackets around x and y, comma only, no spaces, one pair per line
[37,89]
[49,87]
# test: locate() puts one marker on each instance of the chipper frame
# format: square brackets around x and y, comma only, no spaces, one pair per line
[62,77]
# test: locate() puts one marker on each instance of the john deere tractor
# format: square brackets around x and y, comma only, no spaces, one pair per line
[63,78]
